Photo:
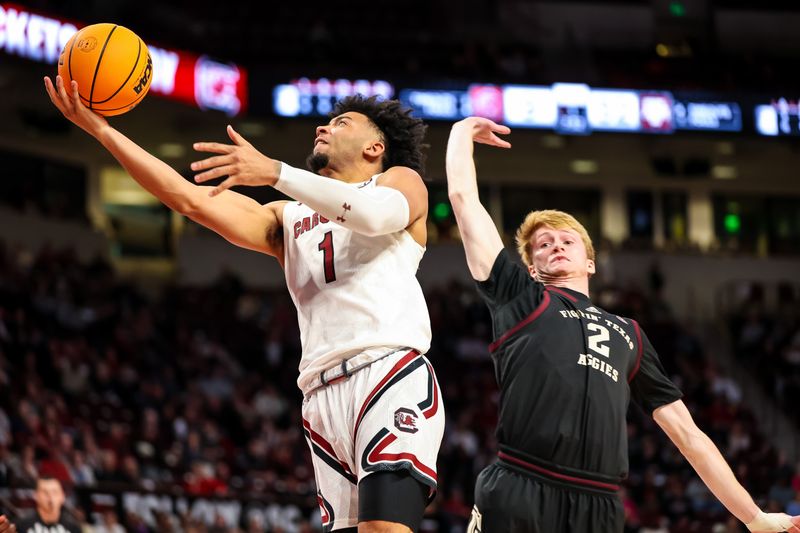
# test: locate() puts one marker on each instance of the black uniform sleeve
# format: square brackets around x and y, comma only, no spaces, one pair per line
[26,523]
[650,387]
[507,281]
[71,526]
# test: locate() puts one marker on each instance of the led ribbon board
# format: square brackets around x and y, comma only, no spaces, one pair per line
[177,75]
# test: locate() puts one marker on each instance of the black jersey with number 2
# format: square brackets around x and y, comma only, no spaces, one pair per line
[566,371]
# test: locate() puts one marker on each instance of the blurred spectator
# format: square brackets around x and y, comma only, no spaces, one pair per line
[49,504]
[201,481]
[768,342]
[110,524]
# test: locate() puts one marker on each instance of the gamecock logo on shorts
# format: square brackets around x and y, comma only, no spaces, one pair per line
[406,420]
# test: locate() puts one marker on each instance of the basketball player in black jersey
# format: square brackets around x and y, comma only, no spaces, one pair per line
[566,371]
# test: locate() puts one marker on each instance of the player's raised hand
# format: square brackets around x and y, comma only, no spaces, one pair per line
[243,164]
[68,101]
[485,131]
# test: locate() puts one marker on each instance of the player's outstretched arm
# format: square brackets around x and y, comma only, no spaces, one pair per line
[236,217]
[400,199]
[482,242]
[706,459]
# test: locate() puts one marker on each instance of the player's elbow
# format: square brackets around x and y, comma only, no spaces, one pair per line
[691,442]
[460,197]
[389,219]
[188,207]
[191,205]
[455,195]
[678,424]
[462,202]
[373,228]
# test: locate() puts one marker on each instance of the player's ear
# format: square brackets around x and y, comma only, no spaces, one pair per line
[374,149]
[532,271]
[590,267]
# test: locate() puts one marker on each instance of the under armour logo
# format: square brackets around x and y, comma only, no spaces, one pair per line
[345,209]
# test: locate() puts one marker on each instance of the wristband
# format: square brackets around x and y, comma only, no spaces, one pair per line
[770,522]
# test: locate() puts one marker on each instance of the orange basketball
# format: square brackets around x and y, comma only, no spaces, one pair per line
[111,65]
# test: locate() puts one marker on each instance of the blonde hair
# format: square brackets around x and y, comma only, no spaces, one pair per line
[552,219]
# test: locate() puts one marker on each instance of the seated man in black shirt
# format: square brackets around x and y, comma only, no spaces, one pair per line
[48,517]
[566,370]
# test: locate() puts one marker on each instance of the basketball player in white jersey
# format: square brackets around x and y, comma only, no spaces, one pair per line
[350,247]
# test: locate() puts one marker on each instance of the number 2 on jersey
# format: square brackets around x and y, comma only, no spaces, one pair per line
[326,247]
[596,341]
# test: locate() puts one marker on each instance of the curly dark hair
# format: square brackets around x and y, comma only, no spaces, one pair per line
[403,134]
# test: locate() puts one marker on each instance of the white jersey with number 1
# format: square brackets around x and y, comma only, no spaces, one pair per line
[354,294]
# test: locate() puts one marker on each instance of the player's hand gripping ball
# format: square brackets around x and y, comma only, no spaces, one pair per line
[112,66]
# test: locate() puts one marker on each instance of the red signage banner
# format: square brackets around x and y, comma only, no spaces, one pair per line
[177,75]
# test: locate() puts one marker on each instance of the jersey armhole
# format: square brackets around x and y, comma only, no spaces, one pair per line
[639,352]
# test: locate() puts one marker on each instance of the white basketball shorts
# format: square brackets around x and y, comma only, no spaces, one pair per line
[386,416]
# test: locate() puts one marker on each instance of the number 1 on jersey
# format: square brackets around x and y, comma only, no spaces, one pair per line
[326,247]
